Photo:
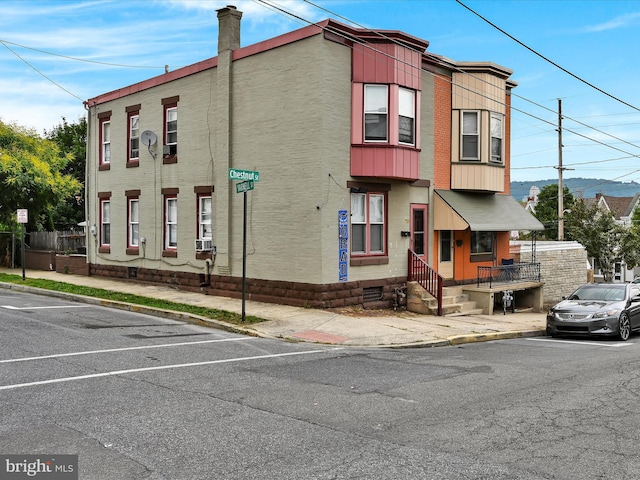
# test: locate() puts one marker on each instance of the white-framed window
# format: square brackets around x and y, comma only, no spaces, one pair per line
[133,239]
[204,218]
[496,137]
[376,122]
[406,116]
[368,219]
[171,222]
[105,222]
[105,135]
[481,243]
[470,135]
[134,137]
[171,129]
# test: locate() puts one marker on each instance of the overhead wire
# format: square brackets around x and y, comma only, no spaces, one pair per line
[547,59]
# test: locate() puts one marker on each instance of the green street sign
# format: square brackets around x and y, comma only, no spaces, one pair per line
[243,175]
[244,186]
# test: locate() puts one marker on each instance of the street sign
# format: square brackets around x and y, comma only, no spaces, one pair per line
[244,186]
[244,175]
[23,215]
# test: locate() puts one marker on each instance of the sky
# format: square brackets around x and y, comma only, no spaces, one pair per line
[54,54]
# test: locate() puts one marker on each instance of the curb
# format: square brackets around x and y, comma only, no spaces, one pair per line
[232,328]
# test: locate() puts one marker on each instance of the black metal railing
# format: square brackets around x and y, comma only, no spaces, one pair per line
[420,271]
[506,274]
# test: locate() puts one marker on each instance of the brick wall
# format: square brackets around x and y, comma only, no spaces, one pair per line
[442,132]
[563,266]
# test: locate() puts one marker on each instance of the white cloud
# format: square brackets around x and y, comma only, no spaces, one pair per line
[621,21]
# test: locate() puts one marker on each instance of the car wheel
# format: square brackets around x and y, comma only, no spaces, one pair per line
[624,327]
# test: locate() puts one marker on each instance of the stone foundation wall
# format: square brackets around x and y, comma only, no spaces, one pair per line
[285,293]
[563,266]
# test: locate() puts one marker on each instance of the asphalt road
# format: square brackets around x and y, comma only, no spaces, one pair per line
[139,397]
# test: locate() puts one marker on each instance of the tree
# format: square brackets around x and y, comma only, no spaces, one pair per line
[32,175]
[631,242]
[605,240]
[71,139]
[547,209]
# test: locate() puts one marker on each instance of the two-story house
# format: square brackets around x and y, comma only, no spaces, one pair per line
[366,148]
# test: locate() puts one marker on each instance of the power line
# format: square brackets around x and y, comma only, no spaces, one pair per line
[546,59]
[6,42]
[40,73]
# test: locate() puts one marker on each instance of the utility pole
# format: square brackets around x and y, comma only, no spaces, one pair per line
[560,169]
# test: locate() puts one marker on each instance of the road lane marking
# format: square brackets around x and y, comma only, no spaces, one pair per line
[11,307]
[123,349]
[163,367]
[577,342]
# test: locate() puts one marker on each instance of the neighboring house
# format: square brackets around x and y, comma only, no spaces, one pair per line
[366,147]
[621,208]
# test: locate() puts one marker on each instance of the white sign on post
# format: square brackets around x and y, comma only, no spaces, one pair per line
[23,215]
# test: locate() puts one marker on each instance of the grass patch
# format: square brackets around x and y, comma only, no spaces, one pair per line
[213,313]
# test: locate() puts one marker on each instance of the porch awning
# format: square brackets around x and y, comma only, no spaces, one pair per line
[481,212]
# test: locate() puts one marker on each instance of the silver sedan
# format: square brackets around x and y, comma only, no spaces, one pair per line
[608,309]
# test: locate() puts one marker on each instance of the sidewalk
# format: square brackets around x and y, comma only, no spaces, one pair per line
[362,328]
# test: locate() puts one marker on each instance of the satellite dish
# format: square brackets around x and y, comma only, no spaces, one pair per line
[148,138]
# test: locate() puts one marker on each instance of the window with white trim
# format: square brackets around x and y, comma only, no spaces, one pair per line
[376,100]
[496,137]
[133,237]
[171,223]
[105,223]
[171,129]
[105,138]
[368,217]
[134,137]
[204,218]
[406,116]
[470,135]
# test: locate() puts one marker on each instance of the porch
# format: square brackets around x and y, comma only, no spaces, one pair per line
[508,286]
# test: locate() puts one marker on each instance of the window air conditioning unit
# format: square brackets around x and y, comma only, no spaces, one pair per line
[166,149]
[204,245]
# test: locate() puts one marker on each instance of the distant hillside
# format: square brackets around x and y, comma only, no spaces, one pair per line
[585,187]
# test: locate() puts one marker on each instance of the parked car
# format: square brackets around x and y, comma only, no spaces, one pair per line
[597,309]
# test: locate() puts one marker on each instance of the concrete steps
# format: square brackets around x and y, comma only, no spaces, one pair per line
[454,301]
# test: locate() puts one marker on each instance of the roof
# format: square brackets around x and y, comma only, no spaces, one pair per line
[618,206]
[481,212]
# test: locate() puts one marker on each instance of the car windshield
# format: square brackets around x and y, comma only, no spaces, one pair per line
[606,293]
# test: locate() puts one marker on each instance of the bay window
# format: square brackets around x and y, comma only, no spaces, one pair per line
[470,135]
[496,138]
[376,99]
[406,116]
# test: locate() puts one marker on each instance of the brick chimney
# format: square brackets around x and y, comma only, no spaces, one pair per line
[228,28]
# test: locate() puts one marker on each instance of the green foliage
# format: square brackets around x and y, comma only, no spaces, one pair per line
[32,175]
[547,210]
[71,139]
[605,240]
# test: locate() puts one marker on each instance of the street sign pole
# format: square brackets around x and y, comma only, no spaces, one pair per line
[244,257]
[22,246]
[22,217]
[246,179]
